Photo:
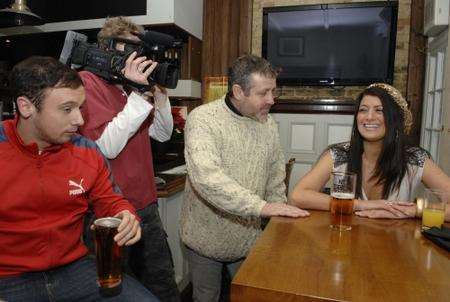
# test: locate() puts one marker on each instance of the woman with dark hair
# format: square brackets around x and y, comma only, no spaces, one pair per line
[388,168]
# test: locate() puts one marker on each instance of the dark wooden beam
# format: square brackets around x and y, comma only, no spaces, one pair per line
[227,29]
[416,67]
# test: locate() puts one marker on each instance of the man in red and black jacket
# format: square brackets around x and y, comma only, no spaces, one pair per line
[49,177]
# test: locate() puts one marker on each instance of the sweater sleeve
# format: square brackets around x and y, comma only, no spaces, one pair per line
[275,188]
[123,126]
[206,173]
[105,195]
[107,122]
[162,126]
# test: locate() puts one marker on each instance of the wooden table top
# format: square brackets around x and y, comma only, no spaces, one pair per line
[378,260]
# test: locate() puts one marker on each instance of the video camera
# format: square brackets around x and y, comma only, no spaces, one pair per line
[109,63]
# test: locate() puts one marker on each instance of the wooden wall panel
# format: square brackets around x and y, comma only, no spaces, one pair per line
[227,27]
[208,25]
[191,59]
[416,67]
[234,28]
[224,15]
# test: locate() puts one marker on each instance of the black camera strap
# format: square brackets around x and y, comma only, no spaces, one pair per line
[139,87]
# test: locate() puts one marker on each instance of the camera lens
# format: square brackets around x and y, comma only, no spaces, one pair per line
[166,75]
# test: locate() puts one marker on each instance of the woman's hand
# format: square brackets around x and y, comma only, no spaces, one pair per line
[402,210]
[378,205]
[379,214]
[407,208]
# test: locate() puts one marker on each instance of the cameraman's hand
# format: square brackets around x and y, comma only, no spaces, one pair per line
[156,96]
[160,95]
[138,69]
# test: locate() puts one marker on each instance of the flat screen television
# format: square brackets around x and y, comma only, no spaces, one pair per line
[331,44]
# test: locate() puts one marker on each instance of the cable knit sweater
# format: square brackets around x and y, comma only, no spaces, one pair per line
[235,165]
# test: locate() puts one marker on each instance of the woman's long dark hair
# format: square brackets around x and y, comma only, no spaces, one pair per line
[391,165]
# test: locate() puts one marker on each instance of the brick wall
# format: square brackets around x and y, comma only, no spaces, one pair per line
[401,52]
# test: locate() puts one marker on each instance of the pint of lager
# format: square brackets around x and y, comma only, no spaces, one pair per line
[341,208]
[108,253]
[341,203]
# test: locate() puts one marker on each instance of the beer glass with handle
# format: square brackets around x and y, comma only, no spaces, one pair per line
[341,204]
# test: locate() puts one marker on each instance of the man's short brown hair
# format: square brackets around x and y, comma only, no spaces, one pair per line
[34,76]
[242,69]
[115,27]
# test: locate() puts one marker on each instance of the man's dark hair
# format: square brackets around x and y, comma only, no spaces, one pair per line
[33,76]
[242,69]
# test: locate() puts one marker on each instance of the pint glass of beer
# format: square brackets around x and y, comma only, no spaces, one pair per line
[341,204]
[108,253]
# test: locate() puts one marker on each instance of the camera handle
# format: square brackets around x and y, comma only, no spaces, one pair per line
[139,87]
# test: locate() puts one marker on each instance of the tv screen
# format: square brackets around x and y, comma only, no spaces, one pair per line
[331,44]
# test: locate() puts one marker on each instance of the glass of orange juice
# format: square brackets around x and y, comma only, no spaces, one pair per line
[434,208]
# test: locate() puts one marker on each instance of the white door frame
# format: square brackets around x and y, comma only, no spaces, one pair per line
[432,120]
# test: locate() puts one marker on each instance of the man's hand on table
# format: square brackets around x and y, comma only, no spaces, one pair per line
[282,209]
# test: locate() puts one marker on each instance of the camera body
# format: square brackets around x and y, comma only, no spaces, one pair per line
[108,63]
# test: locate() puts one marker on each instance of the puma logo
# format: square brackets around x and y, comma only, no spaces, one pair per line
[77,188]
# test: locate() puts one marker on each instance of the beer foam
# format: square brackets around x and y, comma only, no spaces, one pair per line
[342,195]
[109,222]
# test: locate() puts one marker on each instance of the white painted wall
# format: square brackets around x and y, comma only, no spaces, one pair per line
[187,14]
[186,88]
[169,211]
[305,137]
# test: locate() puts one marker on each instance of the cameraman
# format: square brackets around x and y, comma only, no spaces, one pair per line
[120,119]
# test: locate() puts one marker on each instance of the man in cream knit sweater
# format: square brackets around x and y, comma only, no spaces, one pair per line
[236,173]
